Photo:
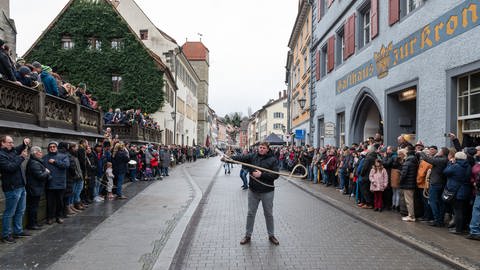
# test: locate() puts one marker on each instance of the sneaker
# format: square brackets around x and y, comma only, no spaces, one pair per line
[9,239]
[21,235]
[408,219]
[245,240]
[122,197]
[98,199]
[273,240]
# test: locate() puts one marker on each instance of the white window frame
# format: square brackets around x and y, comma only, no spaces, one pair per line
[67,43]
[468,95]
[366,27]
[116,83]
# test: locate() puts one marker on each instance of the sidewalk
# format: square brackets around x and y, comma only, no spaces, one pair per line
[438,242]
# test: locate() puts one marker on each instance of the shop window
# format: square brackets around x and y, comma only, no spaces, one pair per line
[321,132]
[468,90]
[341,128]
[67,43]
[277,126]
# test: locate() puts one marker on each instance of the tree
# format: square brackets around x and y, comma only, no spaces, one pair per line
[233,121]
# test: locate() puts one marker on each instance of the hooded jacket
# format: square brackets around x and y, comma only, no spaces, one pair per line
[458,178]
[267,161]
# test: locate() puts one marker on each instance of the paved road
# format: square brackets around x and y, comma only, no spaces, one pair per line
[312,234]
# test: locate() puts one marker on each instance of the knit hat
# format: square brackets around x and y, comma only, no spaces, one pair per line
[82,85]
[36,64]
[46,68]
[460,155]
[52,142]
[23,70]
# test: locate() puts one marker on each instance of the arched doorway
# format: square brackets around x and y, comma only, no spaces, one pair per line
[366,119]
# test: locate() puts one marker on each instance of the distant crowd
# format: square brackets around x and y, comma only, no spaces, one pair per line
[129,117]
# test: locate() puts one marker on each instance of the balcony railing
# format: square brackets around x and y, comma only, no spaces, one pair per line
[136,133]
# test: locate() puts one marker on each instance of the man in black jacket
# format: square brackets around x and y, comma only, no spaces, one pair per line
[37,175]
[365,173]
[261,189]
[6,66]
[13,186]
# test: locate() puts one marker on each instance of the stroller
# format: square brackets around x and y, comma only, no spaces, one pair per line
[148,174]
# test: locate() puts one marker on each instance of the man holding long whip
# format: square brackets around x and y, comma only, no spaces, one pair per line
[261,188]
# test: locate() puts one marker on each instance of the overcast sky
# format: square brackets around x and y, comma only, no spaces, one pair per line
[247,39]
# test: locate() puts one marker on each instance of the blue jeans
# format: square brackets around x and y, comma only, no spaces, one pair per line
[77,190]
[475,222]
[96,188]
[324,176]
[436,203]
[343,178]
[309,172]
[120,178]
[133,175]
[15,203]
[243,175]
[315,174]
[165,171]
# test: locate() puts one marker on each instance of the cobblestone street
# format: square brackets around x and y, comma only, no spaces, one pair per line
[312,235]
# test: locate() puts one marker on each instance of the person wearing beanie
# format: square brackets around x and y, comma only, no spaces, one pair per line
[458,172]
[57,163]
[49,82]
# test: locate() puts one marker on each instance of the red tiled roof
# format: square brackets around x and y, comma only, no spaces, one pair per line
[195,50]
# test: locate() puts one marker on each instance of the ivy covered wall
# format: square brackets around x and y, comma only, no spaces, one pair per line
[142,80]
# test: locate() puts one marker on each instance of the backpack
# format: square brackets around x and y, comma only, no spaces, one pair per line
[422,171]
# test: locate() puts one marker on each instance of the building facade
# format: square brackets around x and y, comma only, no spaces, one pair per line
[395,67]
[182,127]
[8,31]
[199,57]
[298,70]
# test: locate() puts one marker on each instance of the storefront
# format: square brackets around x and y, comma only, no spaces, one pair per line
[419,77]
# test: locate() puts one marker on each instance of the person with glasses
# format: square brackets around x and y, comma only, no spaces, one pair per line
[37,176]
[13,186]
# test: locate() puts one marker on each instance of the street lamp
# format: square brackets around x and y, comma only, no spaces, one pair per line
[301,102]
[174,115]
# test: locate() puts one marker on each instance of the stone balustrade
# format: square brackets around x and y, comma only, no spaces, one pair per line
[136,134]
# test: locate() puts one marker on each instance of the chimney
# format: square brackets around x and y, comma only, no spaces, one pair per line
[279,94]
[284,93]
[115,3]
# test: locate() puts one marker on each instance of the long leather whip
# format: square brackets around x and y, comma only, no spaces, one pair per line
[229,160]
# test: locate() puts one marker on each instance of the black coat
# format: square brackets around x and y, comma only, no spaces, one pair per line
[267,161]
[368,165]
[120,163]
[6,68]
[10,168]
[438,165]
[37,177]
[408,175]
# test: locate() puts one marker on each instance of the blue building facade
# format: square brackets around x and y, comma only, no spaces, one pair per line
[395,67]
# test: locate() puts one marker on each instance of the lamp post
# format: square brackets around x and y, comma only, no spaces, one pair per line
[301,102]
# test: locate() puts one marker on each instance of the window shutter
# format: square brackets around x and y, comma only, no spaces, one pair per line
[350,37]
[394,11]
[374,18]
[331,53]
[317,65]
[330,2]
[319,9]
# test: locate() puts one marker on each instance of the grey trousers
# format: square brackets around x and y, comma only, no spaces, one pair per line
[254,199]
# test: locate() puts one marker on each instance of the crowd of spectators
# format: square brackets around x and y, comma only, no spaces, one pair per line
[130,117]
[72,176]
[41,77]
[438,186]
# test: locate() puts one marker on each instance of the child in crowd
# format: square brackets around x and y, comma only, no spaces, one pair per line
[378,183]
[109,175]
